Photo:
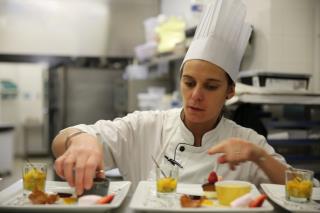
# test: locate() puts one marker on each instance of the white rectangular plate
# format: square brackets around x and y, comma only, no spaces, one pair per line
[11,198]
[145,199]
[277,194]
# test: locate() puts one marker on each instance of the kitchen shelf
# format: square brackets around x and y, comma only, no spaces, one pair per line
[260,95]
[303,152]
[292,124]
[295,142]
[298,150]
[163,59]
[296,99]
[298,159]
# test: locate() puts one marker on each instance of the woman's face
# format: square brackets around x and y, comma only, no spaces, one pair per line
[204,87]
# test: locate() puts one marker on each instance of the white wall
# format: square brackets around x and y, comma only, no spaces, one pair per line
[54,27]
[284,35]
[182,8]
[94,28]
[29,105]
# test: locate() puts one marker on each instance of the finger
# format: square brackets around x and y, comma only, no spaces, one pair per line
[220,148]
[232,166]
[79,174]
[100,173]
[101,168]
[91,168]
[58,166]
[68,167]
[222,159]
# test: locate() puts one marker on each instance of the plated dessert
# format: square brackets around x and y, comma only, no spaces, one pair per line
[233,194]
[12,199]
[209,188]
[40,197]
[98,194]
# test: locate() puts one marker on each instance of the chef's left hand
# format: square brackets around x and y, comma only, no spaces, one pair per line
[235,151]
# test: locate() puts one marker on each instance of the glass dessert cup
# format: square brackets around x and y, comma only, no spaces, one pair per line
[299,185]
[34,177]
[166,180]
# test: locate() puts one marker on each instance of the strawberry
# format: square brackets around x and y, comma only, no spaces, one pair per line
[258,201]
[212,178]
[106,199]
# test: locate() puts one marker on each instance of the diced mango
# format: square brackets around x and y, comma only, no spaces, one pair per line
[34,179]
[207,202]
[166,185]
[299,189]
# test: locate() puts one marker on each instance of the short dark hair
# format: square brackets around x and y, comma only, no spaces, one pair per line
[230,81]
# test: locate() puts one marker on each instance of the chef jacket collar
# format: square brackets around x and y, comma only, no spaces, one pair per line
[188,137]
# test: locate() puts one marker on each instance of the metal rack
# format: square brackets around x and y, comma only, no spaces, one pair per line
[299,152]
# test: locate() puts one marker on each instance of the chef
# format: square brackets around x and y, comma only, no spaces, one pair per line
[197,137]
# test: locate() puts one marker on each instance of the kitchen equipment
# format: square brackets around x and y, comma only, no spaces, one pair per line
[100,187]
[275,79]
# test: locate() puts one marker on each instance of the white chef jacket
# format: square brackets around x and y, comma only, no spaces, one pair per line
[130,141]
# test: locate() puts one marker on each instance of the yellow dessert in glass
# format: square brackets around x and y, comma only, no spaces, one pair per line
[299,185]
[166,184]
[34,177]
[301,189]
[166,180]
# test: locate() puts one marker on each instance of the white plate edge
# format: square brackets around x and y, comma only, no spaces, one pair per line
[125,187]
[139,190]
[14,188]
[265,187]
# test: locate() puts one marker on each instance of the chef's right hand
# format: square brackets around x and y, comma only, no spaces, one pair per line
[79,163]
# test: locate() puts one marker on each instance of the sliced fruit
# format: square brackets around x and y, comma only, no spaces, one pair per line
[258,201]
[106,199]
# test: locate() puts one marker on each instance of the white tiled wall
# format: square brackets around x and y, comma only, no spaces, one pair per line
[285,35]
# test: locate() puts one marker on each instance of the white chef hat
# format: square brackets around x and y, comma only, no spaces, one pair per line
[221,36]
